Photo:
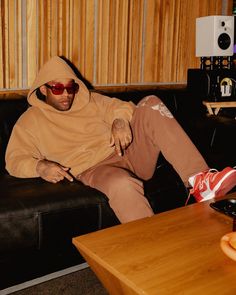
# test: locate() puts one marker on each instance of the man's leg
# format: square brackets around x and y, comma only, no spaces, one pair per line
[125,192]
[155,130]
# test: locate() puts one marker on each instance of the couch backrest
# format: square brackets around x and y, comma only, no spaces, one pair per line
[10,111]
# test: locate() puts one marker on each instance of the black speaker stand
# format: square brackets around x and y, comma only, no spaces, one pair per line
[216,62]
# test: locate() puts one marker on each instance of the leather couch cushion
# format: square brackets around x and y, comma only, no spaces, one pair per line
[36,214]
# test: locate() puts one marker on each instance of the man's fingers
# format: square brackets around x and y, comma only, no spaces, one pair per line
[125,142]
[123,145]
[112,141]
[129,138]
[118,147]
[52,172]
[120,142]
[63,174]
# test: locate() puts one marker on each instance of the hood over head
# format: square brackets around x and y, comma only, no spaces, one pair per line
[57,68]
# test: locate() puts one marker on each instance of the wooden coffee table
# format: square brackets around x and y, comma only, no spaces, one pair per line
[175,252]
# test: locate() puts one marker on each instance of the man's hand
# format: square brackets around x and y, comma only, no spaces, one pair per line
[121,135]
[52,172]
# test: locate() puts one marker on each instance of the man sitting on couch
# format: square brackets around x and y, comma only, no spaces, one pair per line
[111,145]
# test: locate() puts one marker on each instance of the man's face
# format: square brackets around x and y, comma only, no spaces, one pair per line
[62,101]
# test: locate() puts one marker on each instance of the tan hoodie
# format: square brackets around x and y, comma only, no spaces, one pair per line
[77,138]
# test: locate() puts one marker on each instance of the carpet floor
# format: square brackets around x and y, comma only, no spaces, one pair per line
[82,282]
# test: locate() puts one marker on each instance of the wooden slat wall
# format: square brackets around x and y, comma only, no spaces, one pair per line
[135,41]
[111,41]
[2,45]
[161,40]
[31,32]
[18,46]
[115,42]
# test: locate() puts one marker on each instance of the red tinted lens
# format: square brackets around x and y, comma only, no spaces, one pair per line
[58,89]
[73,88]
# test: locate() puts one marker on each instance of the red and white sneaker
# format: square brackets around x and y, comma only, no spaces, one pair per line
[212,183]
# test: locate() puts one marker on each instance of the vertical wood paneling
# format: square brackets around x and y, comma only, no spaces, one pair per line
[2,74]
[70,35]
[19,51]
[119,43]
[161,39]
[112,37]
[214,7]
[135,41]
[102,41]
[109,41]
[43,31]
[65,27]
[83,37]
[88,42]
[32,54]
[12,44]
[77,22]
[186,54]
[152,33]
[54,28]
[6,44]
[229,7]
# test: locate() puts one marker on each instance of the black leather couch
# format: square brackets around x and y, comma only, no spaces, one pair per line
[39,219]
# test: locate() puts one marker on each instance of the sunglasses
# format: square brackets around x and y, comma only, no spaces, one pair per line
[59,88]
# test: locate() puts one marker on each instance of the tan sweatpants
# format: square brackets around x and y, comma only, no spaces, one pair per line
[120,177]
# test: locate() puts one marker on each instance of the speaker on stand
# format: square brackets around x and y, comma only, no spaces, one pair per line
[216,78]
[215,41]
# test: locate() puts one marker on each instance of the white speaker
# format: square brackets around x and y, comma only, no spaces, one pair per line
[214,35]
